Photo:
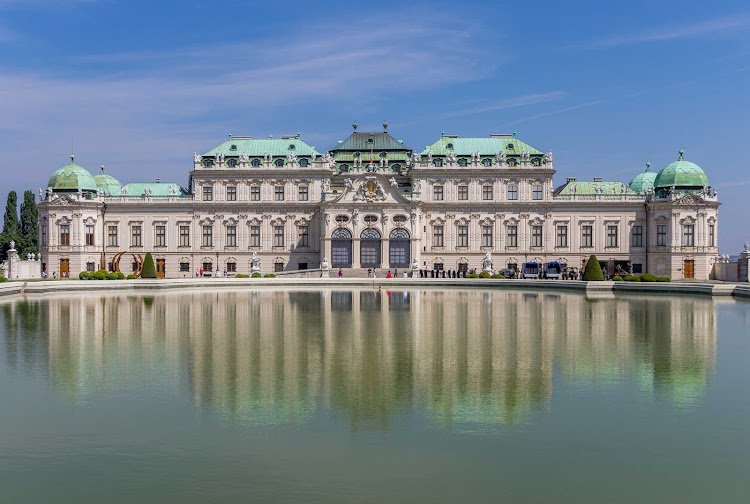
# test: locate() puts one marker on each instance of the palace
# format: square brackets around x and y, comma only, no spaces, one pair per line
[373,202]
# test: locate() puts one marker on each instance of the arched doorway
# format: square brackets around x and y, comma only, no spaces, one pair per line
[369,248]
[400,249]
[341,248]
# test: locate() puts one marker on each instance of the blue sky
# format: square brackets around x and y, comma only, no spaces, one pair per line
[140,85]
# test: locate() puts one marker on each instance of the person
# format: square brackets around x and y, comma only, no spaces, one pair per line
[369,272]
[54,274]
[340,273]
[374,274]
[201,270]
[389,274]
[44,275]
[197,273]
[395,272]
[405,275]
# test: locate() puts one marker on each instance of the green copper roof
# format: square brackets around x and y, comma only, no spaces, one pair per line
[586,188]
[110,185]
[643,181]
[681,173]
[72,177]
[485,146]
[157,188]
[364,142]
[258,147]
[348,157]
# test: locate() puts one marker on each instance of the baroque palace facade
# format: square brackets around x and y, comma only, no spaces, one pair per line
[371,201]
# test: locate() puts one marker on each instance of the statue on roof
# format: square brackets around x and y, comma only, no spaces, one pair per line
[244,158]
[50,193]
[291,158]
[450,157]
[416,158]
[41,195]
[327,158]
[525,158]
[500,158]
[474,157]
[383,161]
[548,158]
[197,158]
[313,155]
[393,181]
[124,191]
[747,247]
[267,157]
[80,193]
[429,156]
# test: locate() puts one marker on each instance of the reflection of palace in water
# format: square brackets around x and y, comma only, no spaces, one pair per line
[278,356]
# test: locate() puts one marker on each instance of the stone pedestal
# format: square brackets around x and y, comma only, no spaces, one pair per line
[325,269]
[13,263]
[743,268]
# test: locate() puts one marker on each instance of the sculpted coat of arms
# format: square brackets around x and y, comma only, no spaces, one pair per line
[370,190]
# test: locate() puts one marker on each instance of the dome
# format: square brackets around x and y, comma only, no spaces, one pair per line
[108,184]
[681,174]
[642,182]
[72,177]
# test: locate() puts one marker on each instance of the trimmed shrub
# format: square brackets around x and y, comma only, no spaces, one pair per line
[647,277]
[99,275]
[663,279]
[617,278]
[131,277]
[484,274]
[269,275]
[498,277]
[593,272]
[149,268]
[83,275]
[240,275]
[631,278]
[472,275]
[256,275]
[3,279]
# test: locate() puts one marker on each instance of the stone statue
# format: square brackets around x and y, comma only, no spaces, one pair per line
[255,263]
[291,158]
[41,195]
[429,156]
[415,264]
[487,262]
[451,158]
[324,265]
[80,193]
[416,158]
[326,185]
[12,245]
[124,191]
[267,157]
[197,158]
[348,183]
[383,162]
[393,181]
[244,158]
[548,158]
[313,156]
[327,158]
[525,158]
[500,158]
[474,157]
[747,247]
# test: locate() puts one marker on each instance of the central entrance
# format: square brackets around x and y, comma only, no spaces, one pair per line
[369,248]
[688,267]
[161,268]
[341,248]
[399,249]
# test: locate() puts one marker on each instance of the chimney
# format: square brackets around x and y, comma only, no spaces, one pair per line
[597,179]
[157,180]
[571,179]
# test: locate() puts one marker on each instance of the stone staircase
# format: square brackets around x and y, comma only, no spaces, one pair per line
[362,272]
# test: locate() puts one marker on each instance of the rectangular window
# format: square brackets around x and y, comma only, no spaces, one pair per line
[231,236]
[437,193]
[661,235]
[463,236]
[136,236]
[611,236]
[231,267]
[184,267]
[277,267]
[512,192]
[278,236]
[463,193]
[44,233]
[537,192]
[89,234]
[536,236]
[184,236]
[208,267]
[486,236]
[562,236]
[437,236]
[64,235]
[302,234]
[278,193]
[303,193]
[208,236]
[637,268]
[637,239]
[587,236]
[512,236]
[711,235]
[112,236]
[688,235]
[90,267]
[255,193]
[487,193]
[208,193]
[232,193]
[255,236]
[437,266]
[161,236]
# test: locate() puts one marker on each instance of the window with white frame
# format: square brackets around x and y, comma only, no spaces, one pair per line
[184,236]
[661,235]
[208,193]
[536,236]
[231,193]
[587,236]
[487,236]
[487,193]
[688,235]
[537,192]
[612,235]
[231,235]
[255,193]
[136,236]
[303,236]
[303,193]
[278,236]
[711,235]
[637,237]
[561,239]
[208,236]
[437,236]
[112,236]
[278,193]
[255,236]
[512,240]
[463,192]
[160,238]
[512,192]
[89,234]
[463,236]
[437,193]
[65,235]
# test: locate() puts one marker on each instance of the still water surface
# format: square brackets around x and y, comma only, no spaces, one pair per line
[374,396]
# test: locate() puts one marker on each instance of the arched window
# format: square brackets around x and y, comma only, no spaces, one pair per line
[256,162]
[208,162]
[487,162]
[438,162]
[396,167]
[232,163]
[370,234]
[344,167]
[303,163]
[291,147]
[512,162]
[462,162]
[536,161]
[449,146]
[233,147]
[383,154]
[279,162]
[400,234]
[341,234]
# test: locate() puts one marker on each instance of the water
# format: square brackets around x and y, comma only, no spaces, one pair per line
[374,396]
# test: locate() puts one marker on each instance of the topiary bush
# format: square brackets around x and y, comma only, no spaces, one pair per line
[3,279]
[240,275]
[647,277]
[663,279]
[149,268]
[99,275]
[631,278]
[593,272]
[484,274]
[132,277]
[498,277]
[256,275]
[617,278]
[83,275]
[472,275]
[269,275]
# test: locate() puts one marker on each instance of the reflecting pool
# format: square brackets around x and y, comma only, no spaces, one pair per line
[374,396]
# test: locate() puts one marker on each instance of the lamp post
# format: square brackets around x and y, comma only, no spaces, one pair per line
[216,269]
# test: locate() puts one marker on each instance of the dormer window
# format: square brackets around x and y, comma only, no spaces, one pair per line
[536,161]
[279,162]
[370,140]
[255,162]
[399,218]
[438,162]
[208,162]
[371,219]
[344,167]
[233,147]
[303,163]
[512,162]
[449,146]
[342,219]
[291,147]
[487,162]
[232,163]
[383,154]
[462,162]
[357,154]
[396,167]
[510,146]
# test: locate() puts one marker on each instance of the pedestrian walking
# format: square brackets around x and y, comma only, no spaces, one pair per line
[340,273]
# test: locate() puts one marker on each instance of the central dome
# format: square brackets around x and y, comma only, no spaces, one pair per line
[71,178]
[681,174]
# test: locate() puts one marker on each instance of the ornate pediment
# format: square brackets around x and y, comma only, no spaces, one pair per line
[369,190]
[690,199]
[63,201]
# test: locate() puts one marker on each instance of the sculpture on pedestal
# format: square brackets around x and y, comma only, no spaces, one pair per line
[487,263]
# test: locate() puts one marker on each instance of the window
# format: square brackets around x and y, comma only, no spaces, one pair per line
[661,235]
[184,267]
[44,232]
[64,235]
[279,162]
[136,237]
[112,236]
[302,266]
[303,163]
[486,236]
[344,167]
[537,192]
[278,236]
[611,236]
[342,219]
[232,193]
[512,162]
[512,192]
[438,162]
[278,193]
[437,193]
[536,236]
[437,266]
[688,235]
[206,162]
[487,193]
[462,162]
[255,236]
[437,236]
[208,193]
[399,218]
[711,235]
[512,236]
[208,267]
[255,162]
[89,234]
[161,236]
[231,267]
[463,192]
[637,268]
[277,267]
[90,266]
[255,193]
[371,219]
[208,236]
[561,239]
[463,236]
[231,236]
[487,162]
[303,193]
[637,238]
[302,234]
[184,236]
[587,236]
[232,163]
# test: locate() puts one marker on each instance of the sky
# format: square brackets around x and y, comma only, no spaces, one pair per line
[138,86]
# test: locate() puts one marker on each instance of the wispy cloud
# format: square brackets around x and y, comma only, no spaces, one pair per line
[35,4]
[719,25]
[558,111]
[509,103]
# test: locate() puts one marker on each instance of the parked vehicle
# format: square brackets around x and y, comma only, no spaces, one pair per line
[553,270]
[571,273]
[532,270]
[510,273]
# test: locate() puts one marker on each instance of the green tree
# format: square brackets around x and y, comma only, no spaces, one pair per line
[10,225]
[149,268]
[29,230]
[593,271]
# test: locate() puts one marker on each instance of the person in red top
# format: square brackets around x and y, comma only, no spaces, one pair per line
[388,275]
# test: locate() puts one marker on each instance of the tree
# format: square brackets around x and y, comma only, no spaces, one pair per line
[10,225]
[29,229]
[593,271]
[149,269]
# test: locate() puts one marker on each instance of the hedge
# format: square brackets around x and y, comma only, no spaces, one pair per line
[240,275]
[617,278]
[593,272]
[663,279]
[269,275]
[256,275]
[647,277]
[149,268]
[3,279]
[498,277]
[631,278]
[473,275]
[484,274]
[131,277]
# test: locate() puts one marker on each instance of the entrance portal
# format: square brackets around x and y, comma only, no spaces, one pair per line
[341,248]
[64,268]
[161,266]
[400,249]
[369,248]
[688,268]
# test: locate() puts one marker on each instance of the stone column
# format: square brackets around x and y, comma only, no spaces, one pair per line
[743,269]
[13,262]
